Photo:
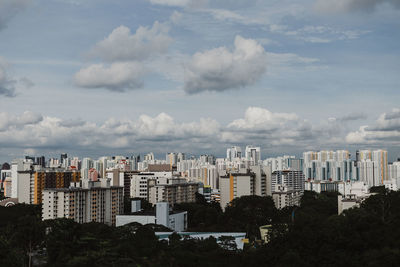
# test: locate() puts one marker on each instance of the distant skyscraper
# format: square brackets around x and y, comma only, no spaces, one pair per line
[380,157]
[149,157]
[233,153]
[181,157]
[171,158]
[253,154]
[63,157]
[30,158]
[87,164]
[373,166]
[207,159]
[41,161]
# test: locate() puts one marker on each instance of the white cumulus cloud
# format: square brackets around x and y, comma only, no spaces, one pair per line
[256,117]
[116,77]
[385,130]
[221,69]
[122,45]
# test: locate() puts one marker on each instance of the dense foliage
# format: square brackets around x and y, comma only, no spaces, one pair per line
[310,235]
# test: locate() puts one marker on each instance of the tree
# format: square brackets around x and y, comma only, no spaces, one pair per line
[248,213]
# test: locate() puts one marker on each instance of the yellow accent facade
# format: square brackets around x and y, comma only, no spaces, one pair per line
[44,180]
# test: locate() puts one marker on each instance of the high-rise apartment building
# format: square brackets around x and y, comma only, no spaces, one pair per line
[148,157]
[204,159]
[235,185]
[287,188]
[46,179]
[253,154]
[122,178]
[233,153]
[380,157]
[139,182]
[171,158]
[329,165]
[284,163]
[373,167]
[87,164]
[290,178]
[175,193]
[246,182]
[84,201]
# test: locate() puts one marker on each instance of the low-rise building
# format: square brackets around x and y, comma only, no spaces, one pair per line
[284,196]
[351,201]
[348,202]
[174,220]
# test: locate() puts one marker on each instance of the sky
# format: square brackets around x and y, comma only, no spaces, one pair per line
[97,77]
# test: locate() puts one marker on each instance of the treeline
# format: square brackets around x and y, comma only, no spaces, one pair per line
[310,235]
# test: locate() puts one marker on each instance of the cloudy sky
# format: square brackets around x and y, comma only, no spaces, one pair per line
[102,77]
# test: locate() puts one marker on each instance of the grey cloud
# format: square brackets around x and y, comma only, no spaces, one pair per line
[9,8]
[27,83]
[180,3]
[7,83]
[386,127]
[161,133]
[353,117]
[395,114]
[8,121]
[220,69]
[39,132]
[117,77]
[317,34]
[122,45]
[72,123]
[335,6]
[269,128]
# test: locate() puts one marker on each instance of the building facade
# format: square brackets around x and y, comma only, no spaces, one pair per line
[84,201]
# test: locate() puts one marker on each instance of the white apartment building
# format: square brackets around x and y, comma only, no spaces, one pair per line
[233,153]
[287,188]
[139,182]
[246,182]
[284,163]
[84,201]
[329,165]
[179,191]
[22,180]
[253,154]
[206,174]
[283,196]
[290,178]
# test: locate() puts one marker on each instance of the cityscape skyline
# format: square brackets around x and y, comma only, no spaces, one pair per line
[199,132]
[198,76]
[161,156]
